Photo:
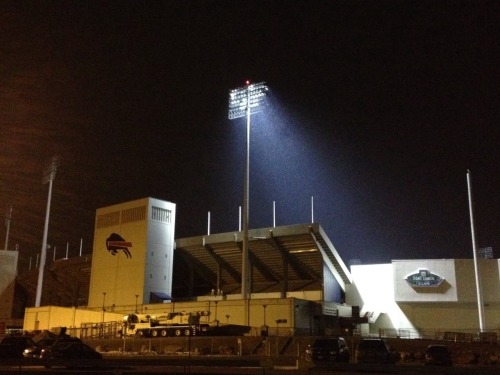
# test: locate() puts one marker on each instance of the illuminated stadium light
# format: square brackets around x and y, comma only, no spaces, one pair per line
[245,101]
[244,98]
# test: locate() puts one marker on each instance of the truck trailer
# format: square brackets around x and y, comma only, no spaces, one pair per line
[166,325]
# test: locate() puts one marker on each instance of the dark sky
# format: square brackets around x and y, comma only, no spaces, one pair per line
[376,109]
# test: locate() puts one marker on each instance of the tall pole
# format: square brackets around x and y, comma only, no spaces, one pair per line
[474,250]
[246,202]
[239,218]
[103,312]
[312,209]
[8,216]
[49,176]
[274,214]
[243,102]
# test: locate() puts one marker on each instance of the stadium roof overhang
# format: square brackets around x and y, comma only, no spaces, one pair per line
[285,258]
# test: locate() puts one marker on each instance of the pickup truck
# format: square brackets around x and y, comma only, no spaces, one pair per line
[13,346]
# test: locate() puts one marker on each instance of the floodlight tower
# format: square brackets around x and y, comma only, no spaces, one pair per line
[48,176]
[244,101]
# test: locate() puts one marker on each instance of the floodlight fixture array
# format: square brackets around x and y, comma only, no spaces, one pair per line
[246,97]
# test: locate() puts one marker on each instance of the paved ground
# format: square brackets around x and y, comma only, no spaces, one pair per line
[230,366]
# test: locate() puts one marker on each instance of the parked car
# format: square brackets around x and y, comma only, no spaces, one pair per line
[35,350]
[328,349]
[13,346]
[375,351]
[68,351]
[437,355]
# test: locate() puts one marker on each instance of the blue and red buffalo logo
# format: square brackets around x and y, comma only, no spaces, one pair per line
[115,242]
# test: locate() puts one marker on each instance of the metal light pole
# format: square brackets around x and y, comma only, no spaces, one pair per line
[244,101]
[48,176]
[474,250]
[103,312]
[8,216]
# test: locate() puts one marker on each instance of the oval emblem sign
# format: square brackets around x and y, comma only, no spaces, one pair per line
[424,278]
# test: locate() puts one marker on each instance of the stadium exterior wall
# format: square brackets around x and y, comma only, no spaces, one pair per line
[428,297]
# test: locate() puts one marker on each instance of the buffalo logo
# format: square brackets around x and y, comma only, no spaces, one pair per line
[115,242]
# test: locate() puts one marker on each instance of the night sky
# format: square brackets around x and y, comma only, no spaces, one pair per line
[376,109]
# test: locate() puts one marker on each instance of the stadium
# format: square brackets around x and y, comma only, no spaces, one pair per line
[298,284]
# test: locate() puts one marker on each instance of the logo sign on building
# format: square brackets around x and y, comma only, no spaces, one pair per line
[424,279]
[115,243]
[328,310]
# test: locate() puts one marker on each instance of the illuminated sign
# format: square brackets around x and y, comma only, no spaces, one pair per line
[425,279]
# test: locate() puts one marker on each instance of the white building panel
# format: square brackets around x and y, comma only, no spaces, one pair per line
[427,280]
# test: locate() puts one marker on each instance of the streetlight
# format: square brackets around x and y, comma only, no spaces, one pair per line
[244,101]
[48,176]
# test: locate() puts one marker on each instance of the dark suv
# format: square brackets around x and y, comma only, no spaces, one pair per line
[328,349]
[437,355]
[375,351]
[35,350]
[13,346]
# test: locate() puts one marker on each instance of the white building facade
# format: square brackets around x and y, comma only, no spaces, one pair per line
[426,298]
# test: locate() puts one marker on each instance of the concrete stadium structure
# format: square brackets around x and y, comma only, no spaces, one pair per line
[133,253]
[297,278]
[8,272]
[427,298]
[299,284]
